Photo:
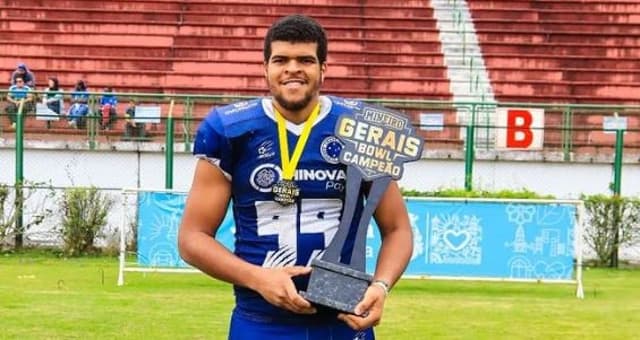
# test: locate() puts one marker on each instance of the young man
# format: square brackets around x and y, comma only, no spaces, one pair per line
[243,152]
[18,93]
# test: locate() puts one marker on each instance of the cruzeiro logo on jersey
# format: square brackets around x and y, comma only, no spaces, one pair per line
[330,149]
[266,175]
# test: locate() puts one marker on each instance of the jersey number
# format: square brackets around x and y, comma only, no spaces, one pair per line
[315,216]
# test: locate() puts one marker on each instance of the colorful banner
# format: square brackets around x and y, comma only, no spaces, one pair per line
[451,238]
[488,240]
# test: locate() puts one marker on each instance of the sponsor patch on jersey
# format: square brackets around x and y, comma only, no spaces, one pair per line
[239,107]
[348,103]
[330,149]
[264,176]
[265,150]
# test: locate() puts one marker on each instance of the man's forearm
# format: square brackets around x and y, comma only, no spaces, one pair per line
[211,257]
[395,253]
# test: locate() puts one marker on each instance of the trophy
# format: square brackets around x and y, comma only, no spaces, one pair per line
[376,142]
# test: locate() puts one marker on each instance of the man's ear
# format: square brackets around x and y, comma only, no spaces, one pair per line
[323,70]
[264,69]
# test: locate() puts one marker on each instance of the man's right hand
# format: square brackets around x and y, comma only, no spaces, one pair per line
[275,286]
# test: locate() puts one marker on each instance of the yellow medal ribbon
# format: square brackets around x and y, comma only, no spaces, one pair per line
[289,164]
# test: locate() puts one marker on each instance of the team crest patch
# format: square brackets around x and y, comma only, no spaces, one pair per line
[264,176]
[330,149]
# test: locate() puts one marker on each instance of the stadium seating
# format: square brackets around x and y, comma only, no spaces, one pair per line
[561,50]
[564,51]
[215,47]
[378,50]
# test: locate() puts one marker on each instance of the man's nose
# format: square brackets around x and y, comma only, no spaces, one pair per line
[292,66]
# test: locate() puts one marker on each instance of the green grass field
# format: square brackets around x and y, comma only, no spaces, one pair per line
[44,297]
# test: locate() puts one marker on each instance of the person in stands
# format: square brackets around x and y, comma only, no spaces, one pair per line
[27,76]
[132,129]
[53,95]
[79,105]
[19,94]
[108,108]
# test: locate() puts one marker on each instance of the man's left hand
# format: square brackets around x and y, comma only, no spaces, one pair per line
[369,310]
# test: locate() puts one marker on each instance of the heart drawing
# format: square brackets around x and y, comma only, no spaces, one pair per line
[456,240]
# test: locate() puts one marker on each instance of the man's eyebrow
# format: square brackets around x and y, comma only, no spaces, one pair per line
[304,56]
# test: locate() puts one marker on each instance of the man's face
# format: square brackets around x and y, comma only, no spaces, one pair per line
[19,83]
[21,70]
[294,74]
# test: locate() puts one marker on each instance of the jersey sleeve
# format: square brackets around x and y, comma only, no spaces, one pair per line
[212,145]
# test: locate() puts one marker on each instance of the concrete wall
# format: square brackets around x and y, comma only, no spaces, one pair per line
[131,165]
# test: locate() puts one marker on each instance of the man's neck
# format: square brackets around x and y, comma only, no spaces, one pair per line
[296,117]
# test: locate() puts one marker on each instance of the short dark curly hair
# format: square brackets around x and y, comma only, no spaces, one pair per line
[297,28]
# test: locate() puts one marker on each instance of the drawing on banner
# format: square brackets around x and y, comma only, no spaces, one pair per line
[164,227]
[522,268]
[520,215]
[543,247]
[163,200]
[418,243]
[164,254]
[158,221]
[456,239]
[161,232]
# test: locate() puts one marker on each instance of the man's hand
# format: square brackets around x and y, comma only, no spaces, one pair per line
[275,285]
[370,309]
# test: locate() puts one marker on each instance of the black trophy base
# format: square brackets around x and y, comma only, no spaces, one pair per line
[336,286]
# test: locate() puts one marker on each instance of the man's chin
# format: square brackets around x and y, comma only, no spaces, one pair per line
[293,104]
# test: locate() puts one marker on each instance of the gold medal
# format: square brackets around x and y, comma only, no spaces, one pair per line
[285,192]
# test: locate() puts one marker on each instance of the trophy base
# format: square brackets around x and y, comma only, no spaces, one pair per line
[336,286]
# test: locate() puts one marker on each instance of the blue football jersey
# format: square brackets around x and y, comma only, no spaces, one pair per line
[242,139]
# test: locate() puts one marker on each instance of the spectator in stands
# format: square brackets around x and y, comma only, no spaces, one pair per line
[23,71]
[131,128]
[53,95]
[269,265]
[18,93]
[108,111]
[79,105]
